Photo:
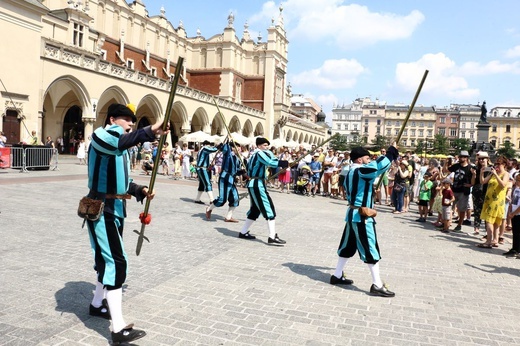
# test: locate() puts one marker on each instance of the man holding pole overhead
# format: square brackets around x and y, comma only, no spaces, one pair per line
[359,233]
[108,180]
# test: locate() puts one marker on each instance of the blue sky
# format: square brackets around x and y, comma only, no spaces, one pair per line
[340,50]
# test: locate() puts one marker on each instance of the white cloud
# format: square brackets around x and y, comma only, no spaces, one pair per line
[513,52]
[472,68]
[348,26]
[444,78]
[333,74]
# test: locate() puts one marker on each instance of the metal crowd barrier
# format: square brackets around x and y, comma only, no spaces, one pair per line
[34,158]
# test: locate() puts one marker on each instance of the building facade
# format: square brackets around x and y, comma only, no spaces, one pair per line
[505,126]
[346,120]
[81,56]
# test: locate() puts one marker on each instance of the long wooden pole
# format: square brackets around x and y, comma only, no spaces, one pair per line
[410,110]
[229,134]
[166,122]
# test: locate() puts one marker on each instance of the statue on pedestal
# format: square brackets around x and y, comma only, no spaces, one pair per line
[483,113]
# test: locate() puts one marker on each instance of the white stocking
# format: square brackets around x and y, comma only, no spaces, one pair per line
[374,270]
[115,302]
[246,226]
[342,261]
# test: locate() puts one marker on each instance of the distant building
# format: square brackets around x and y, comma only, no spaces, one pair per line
[448,122]
[505,126]
[469,116]
[346,119]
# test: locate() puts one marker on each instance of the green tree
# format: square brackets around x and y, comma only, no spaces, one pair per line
[380,142]
[440,144]
[461,144]
[339,142]
[507,150]
[420,147]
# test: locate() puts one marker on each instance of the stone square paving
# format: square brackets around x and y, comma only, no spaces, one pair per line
[196,283]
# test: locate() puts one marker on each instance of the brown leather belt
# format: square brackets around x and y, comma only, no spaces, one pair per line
[125,196]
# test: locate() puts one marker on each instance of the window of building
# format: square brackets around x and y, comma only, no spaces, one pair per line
[421,124]
[130,64]
[77,35]
[412,132]
[494,143]
[366,121]
[366,129]
[453,132]
[378,122]
[454,120]
[397,123]
[398,114]
[405,132]
[462,134]
[421,133]
[442,131]
[471,135]
[339,126]
[508,128]
[422,114]
[378,130]
[404,141]
[154,71]
[442,120]
[388,132]
[396,132]
[493,128]
[430,133]
[413,123]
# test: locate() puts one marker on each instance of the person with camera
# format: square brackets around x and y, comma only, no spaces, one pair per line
[494,208]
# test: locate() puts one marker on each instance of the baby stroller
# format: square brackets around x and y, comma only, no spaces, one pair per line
[303,181]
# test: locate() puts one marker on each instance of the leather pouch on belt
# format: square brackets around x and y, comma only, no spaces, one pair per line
[90,209]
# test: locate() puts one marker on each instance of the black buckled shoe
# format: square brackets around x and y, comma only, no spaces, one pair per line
[341,281]
[381,291]
[246,236]
[276,240]
[127,334]
[199,202]
[102,311]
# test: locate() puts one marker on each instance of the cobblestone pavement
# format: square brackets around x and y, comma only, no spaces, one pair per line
[196,283]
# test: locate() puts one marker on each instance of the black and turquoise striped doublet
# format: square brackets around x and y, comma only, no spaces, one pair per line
[108,173]
[226,182]
[261,202]
[203,169]
[360,232]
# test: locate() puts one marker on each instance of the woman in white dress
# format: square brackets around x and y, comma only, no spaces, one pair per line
[81,152]
[186,157]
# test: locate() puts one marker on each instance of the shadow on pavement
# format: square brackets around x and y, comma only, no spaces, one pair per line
[75,298]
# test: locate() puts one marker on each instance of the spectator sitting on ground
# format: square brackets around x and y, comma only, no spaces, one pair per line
[147,164]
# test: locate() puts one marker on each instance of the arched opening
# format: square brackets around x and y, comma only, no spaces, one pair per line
[259,130]
[247,131]
[276,132]
[73,129]
[234,124]
[289,136]
[300,139]
[217,126]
